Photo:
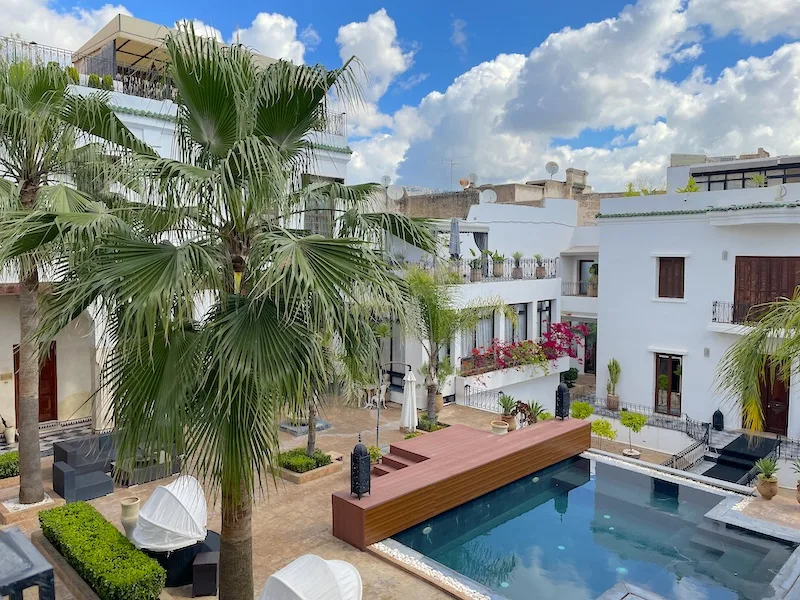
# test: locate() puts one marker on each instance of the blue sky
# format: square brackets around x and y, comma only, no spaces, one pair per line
[506,86]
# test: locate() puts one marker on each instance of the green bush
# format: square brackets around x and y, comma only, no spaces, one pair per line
[374,454]
[72,74]
[545,415]
[299,462]
[100,554]
[570,377]
[9,465]
[412,435]
[108,82]
[94,81]
[581,410]
[425,424]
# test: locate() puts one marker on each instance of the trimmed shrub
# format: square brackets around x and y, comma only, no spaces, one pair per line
[9,465]
[113,567]
[298,461]
[72,74]
[581,410]
[94,81]
[108,82]
[570,377]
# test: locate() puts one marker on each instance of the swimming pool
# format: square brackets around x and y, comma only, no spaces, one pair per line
[574,530]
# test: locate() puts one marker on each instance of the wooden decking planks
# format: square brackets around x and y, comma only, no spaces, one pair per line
[456,465]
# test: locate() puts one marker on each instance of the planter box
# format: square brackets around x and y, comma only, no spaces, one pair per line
[8,518]
[9,482]
[313,474]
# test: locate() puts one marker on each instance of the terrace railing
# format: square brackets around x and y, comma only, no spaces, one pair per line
[688,457]
[579,288]
[488,400]
[735,313]
[486,269]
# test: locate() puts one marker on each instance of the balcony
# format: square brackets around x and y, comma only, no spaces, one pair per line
[579,299]
[488,270]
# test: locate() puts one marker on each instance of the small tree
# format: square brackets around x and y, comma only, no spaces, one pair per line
[602,429]
[630,190]
[634,422]
[691,186]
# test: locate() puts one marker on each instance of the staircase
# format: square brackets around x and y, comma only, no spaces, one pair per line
[394,461]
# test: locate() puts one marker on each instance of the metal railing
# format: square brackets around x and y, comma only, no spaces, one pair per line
[488,400]
[333,124]
[689,456]
[579,288]
[735,313]
[788,448]
[486,269]
[748,478]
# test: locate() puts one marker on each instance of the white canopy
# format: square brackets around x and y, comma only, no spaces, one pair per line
[310,577]
[408,416]
[174,517]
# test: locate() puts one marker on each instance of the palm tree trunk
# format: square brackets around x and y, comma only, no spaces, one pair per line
[236,547]
[432,401]
[430,380]
[31,489]
[311,445]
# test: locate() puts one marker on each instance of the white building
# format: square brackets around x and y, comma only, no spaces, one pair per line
[679,274]
[129,52]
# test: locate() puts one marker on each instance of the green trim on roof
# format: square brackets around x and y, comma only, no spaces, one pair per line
[145,113]
[699,211]
[342,149]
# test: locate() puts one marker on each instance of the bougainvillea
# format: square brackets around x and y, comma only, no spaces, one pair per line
[563,339]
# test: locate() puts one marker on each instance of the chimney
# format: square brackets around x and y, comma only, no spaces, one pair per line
[577,177]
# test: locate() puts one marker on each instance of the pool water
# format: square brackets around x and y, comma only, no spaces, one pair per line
[574,530]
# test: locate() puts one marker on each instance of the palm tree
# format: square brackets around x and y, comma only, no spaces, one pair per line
[770,349]
[280,308]
[44,132]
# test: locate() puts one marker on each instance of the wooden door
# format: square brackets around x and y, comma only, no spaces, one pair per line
[48,386]
[762,279]
[775,402]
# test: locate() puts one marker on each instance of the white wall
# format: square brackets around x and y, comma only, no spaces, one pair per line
[635,323]
[677,178]
[655,438]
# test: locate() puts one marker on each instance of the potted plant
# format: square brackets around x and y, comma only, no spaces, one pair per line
[634,422]
[663,383]
[540,272]
[498,264]
[94,81]
[516,272]
[475,266]
[593,270]
[9,431]
[767,480]
[499,427]
[614,370]
[796,469]
[108,82]
[508,404]
[602,429]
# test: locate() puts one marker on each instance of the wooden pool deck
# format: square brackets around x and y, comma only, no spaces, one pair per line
[447,468]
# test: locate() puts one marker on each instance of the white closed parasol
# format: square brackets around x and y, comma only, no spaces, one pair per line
[408,416]
[313,578]
[173,517]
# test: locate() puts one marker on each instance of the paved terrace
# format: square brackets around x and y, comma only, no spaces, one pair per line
[291,520]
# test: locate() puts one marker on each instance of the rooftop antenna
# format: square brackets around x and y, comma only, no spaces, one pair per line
[453,162]
[552,168]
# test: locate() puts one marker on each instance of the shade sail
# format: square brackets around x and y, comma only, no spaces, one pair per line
[173,517]
[310,577]
[408,416]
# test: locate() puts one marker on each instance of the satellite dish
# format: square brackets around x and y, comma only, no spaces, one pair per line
[385,181]
[473,178]
[488,197]
[395,192]
[552,168]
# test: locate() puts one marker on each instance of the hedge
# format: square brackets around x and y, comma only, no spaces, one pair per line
[298,461]
[112,566]
[9,465]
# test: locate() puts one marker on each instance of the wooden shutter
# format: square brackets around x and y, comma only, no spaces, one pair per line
[670,277]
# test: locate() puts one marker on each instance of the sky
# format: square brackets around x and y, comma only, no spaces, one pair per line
[501,88]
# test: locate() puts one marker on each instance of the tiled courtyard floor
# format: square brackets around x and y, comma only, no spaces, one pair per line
[291,520]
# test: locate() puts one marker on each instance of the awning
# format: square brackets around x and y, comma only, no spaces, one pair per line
[576,250]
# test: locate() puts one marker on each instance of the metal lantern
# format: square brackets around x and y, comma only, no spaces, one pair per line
[359,470]
[562,401]
[718,421]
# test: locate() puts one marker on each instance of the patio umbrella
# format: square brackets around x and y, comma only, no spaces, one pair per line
[455,239]
[408,416]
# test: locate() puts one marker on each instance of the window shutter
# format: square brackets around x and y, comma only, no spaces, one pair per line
[670,277]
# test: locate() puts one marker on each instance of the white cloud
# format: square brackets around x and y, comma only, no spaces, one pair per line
[273,35]
[459,36]
[37,20]
[503,114]
[755,21]
[310,37]
[412,80]
[201,28]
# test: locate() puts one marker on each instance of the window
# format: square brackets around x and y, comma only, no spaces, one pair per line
[545,316]
[669,375]
[670,277]
[482,335]
[318,213]
[516,332]
[393,354]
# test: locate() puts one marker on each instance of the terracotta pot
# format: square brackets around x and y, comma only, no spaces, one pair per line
[499,427]
[130,514]
[612,402]
[516,273]
[768,488]
[630,453]
[498,270]
[511,420]
[475,275]
[540,273]
[10,434]
[439,403]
